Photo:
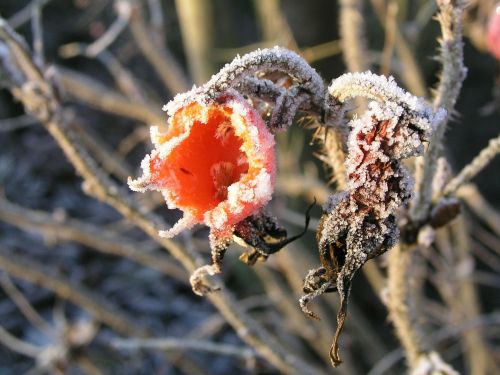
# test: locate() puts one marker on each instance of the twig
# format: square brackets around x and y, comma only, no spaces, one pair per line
[176,344]
[89,235]
[24,305]
[37,30]
[385,364]
[274,26]
[410,70]
[98,96]
[124,79]
[107,159]
[24,15]
[475,166]
[124,11]
[446,94]
[321,51]
[407,330]
[15,123]
[157,21]
[466,306]
[160,58]
[17,345]
[36,273]
[390,27]
[481,208]
[352,31]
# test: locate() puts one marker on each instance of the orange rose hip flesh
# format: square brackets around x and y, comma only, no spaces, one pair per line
[199,170]
[215,162]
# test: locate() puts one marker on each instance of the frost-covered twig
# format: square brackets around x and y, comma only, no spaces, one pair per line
[446,94]
[266,60]
[475,166]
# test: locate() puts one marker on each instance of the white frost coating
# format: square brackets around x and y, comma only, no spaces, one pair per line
[383,89]
[235,72]
[186,222]
[216,218]
[392,129]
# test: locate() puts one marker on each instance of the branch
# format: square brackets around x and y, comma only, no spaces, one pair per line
[64,288]
[352,31]
[176,344]
[161,59]
[446,94]
[89,235]
[98,96]
[474,167]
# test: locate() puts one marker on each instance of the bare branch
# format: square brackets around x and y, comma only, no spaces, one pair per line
[38,274]
[475,166]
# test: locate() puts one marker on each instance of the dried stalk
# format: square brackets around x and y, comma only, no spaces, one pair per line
[352,32]
[481,208]
[24,305]
[410,73]
[17,345]
[479,357]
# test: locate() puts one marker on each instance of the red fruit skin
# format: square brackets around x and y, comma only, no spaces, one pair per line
[493,37]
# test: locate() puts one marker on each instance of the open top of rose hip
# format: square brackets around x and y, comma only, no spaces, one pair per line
[215,162]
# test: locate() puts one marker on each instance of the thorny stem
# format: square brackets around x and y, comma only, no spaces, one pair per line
[44,105]
[446,94]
